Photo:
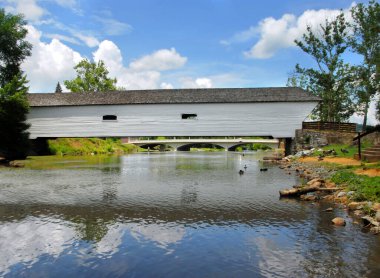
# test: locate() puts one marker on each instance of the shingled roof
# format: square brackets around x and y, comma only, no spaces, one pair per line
[225,95]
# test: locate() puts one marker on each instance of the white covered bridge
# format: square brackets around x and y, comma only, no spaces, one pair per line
[272,112]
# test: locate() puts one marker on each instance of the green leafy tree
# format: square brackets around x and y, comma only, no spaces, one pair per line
[329,79]
[13,101]
[13,47]
[58,88]
[365,41]
[14,107]
[91,77]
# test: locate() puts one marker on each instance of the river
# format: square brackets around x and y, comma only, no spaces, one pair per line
[178,214]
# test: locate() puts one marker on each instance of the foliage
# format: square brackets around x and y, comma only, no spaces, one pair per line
[87,146]
[91,77]
[329,80]
[253,147]
[58,88]
[13,48]
[13,109]
[365,187]
[365,41]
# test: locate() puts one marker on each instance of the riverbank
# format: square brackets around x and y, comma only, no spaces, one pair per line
[89,146]
[346,183]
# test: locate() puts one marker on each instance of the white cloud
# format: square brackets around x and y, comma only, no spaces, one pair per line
[276,34]
[144,73]
[90,41]
[242,36]
[371,117]
[165,85]
[202,82]
[31,10]
[113,27]
[163,59]
[62,38]
[70,4]
[49,62]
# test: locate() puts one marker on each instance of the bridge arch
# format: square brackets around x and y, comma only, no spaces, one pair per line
[186,147]
[233,147]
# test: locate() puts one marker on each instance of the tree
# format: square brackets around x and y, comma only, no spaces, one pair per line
[329,80]
[58,88]
[365,41]
[13,101]
[91,77]
[13,48]
[14,107]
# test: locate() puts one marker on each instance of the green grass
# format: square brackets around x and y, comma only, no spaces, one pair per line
[366,188]
[352,150]
[89,146]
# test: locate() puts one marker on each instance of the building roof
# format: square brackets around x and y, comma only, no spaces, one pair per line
[172,96]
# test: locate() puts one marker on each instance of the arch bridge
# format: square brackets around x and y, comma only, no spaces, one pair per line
[185,144]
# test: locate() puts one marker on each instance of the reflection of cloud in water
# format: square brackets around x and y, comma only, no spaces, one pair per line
[25,241]
[275,259]
[162,235]
[110,243]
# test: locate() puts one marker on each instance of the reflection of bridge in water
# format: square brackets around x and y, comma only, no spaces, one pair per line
[186,144]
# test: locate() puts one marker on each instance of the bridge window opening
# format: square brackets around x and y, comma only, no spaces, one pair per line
[189,116]
[109,118]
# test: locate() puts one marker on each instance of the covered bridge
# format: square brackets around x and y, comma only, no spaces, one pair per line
[275,112]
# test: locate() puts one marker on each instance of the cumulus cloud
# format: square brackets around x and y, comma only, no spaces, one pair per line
[202,82]
[49,62]
[165,85]
[163,59]
[281,33]
[143,73]
[31,10]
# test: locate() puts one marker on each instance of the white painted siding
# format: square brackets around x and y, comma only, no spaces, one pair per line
[277,119]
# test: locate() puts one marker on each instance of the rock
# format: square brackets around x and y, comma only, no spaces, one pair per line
[350,193]
[16,164]
[375,230]
[358,212]
[341,194]
[315,180]
[377,216]
[368,220]
[330,184]
[338,221]
[329,209]
[308,198]
[376,207]
[329,198]
[354,205]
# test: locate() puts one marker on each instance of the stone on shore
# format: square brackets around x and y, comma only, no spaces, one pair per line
[338,221]
[16,164]
[355,205]
[377,216]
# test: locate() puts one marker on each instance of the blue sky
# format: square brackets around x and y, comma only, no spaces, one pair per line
[169,43]
[149,44]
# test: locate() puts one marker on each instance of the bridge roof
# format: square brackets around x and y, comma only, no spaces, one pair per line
[174,96]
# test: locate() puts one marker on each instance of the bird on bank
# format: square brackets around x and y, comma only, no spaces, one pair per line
[343,151]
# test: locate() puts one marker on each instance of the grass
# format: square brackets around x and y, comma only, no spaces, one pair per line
[351,150]
[89,146]
[366,188]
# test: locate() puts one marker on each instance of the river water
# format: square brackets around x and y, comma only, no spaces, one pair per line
[171,215]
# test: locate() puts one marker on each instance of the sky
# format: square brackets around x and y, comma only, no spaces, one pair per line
[150,44]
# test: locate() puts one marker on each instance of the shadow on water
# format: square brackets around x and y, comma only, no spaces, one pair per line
[170,215]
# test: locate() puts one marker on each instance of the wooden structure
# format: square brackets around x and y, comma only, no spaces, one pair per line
[274,112]
[341,127]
